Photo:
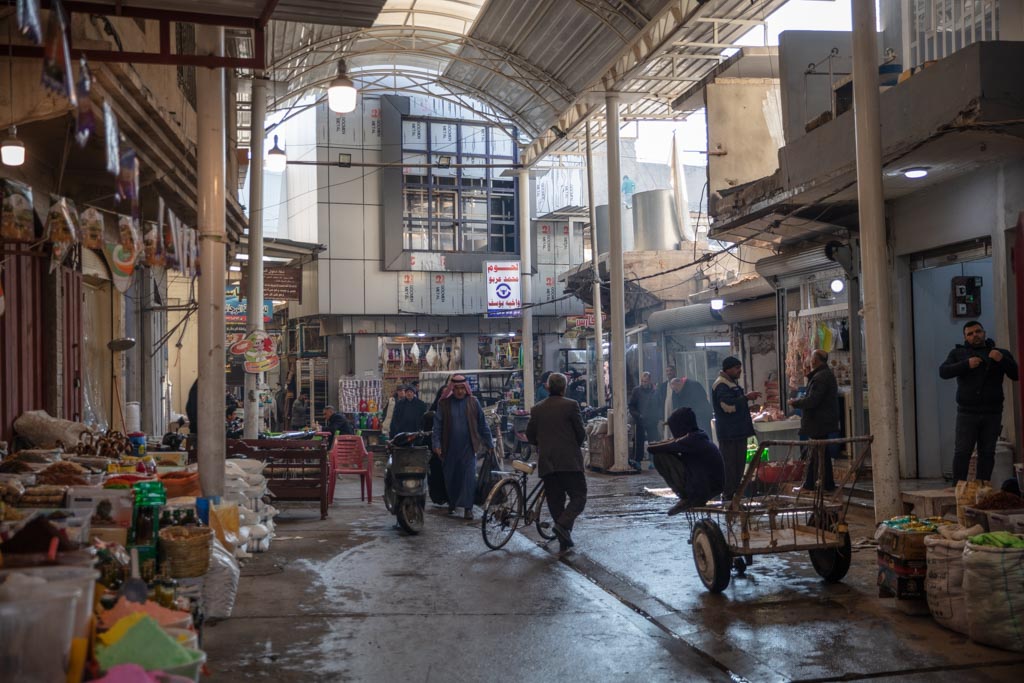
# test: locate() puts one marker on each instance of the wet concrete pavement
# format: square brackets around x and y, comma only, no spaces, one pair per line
[351,599]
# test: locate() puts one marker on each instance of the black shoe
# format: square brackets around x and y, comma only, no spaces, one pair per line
[563,548]
[563,535]
[681,506]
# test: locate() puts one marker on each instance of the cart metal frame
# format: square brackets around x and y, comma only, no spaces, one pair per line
[726,536]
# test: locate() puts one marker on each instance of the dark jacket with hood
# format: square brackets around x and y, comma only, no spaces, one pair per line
[820,405]
[980,389]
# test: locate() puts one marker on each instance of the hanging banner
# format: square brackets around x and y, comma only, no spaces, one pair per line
[280,283]
[260,351]
[235,309]
[504,291]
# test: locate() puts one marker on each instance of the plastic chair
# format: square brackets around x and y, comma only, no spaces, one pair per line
[349,456]
[332,478]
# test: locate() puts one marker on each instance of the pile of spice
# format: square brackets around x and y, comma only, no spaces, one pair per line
[1001,500]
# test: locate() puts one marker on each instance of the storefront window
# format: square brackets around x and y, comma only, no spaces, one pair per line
[458,203]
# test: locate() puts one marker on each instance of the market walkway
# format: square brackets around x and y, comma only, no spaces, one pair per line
[350,599]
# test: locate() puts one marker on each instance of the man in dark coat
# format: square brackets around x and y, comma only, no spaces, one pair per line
[460,433]
[689,463]
[820,415]
[686,393]
[646,410]
[408,413]
[335,423]
[556,428]
[732,421]
[300,412]
[979,368]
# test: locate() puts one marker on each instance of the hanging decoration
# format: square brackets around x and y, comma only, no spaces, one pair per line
[85,125]
[170,230]
[112,133]
[92,225]
[153,253]
[61,229]
[121,255]
[17,223]
[57,74]
[28,21]
[128,181]
[259,351]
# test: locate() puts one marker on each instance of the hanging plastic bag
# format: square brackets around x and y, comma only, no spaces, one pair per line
[61,229]
[113,140]
[28,21]
[85,124]
[18,220]
[57,74]
[92,225]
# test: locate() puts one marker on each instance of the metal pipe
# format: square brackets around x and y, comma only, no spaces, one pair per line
[212,219]
[596,287]
[856,341]
[526,257]
[254,292]
[618,289]
[877,276]
[400,164]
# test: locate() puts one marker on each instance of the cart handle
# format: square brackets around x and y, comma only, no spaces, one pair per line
[817,442]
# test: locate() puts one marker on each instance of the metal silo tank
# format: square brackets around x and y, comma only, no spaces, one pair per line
[655,225]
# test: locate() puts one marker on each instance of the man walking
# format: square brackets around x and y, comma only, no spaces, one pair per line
[460,434]
[645,408]
[408,412]
[820,416]
[732,422]
[979,368]
[556,428]
[689,463]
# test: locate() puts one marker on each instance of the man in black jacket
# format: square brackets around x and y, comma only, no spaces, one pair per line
[556,428]
[732,421]
[820,415]
[979,368]
[335,423]
[689,463]
[408,413]
[645,408]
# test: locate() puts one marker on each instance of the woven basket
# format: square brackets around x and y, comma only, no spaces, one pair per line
[186,550]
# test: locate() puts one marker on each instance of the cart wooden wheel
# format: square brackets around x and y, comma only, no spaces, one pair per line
[832,564]
[710,555]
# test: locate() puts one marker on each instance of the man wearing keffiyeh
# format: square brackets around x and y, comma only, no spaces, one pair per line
[460,434]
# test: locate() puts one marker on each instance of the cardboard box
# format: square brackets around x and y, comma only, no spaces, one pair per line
[905,545]
[110,507]
[110,534]
[903,579]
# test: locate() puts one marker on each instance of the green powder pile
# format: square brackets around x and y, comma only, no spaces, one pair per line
[147,645]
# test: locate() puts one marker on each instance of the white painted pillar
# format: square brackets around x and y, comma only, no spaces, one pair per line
[526,257]
[254,291]
[595,259]
[877,276]
[210,151]
[617,303]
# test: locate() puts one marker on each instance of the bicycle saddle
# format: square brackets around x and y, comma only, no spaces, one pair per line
[522,466]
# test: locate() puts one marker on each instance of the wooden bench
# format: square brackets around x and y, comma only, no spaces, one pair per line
[295,470]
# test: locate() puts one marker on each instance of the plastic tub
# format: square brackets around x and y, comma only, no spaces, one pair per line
[187,637]
[35,629]
[82,578]
[192,669]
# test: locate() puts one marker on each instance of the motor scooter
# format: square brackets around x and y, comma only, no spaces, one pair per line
[405,476]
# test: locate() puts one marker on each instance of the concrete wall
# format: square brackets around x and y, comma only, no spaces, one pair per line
[744,130]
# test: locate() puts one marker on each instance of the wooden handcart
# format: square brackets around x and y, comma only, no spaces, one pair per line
[780,517]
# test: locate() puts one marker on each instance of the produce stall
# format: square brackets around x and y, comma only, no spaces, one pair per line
[110,555]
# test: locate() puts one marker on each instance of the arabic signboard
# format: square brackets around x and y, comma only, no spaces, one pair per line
[279,283]
[235,308]
[504,294]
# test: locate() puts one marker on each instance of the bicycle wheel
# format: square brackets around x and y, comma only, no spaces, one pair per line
[502,511]
[545,525]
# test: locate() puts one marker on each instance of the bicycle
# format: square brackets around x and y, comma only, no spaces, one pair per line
[506,506]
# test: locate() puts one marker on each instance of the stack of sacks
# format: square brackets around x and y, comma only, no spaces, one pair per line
[246,486]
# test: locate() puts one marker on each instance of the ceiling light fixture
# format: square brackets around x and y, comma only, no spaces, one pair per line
[837,285]
[717,302]
[277,160]
[341,93]
[915,172]
[12,152]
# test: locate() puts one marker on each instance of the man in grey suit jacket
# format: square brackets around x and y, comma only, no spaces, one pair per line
[556,428]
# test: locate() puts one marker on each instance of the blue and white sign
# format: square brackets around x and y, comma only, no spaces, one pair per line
[504,291]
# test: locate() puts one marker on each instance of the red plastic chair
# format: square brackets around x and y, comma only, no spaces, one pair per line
[349,456]
[332,478]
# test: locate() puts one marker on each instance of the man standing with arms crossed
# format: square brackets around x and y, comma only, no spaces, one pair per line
[979,368]
[556,428]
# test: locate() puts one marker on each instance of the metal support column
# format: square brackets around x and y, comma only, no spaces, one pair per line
[526,266]
[211,161]
[254,292]
[596,287]
[617,303]
[877,277]
[856,342]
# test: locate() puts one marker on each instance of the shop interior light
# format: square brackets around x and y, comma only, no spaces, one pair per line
[421,334]
[915,172]
[277,160]
[704,345]
[511,334]
[341,93]
[837,285]
[717,302]
[13,150]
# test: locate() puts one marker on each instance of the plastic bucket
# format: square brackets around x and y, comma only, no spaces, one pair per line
[192,669]
[33,629]
[82,578]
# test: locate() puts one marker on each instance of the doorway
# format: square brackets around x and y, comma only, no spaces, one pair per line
[936,331]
